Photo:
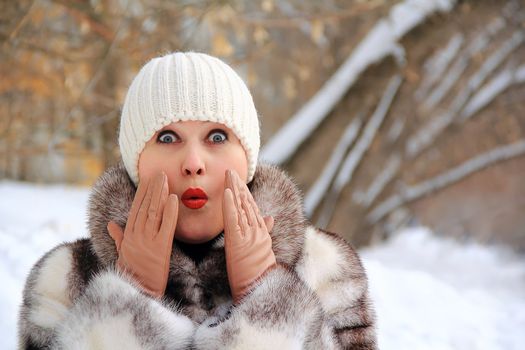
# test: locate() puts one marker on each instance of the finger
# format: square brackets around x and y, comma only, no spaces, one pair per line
[116,233]
[229,211]
[156,207]
[242,221]
[228,180]
[257,212]
[269,222]
[169,219]
[251,218]
[245,195]
[233,187]
[230,217]
[135,205]
[229,183]
[142,215]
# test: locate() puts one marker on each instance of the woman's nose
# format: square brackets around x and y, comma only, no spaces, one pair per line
[193,163]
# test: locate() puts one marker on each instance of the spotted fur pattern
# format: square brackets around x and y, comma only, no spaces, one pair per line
[315,298]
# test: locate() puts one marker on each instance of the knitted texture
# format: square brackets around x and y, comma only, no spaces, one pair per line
[186,86]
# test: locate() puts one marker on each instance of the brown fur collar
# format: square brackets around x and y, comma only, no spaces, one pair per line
[273,190]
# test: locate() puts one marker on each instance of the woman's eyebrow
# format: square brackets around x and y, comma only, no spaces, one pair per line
[167,127]
[218,126]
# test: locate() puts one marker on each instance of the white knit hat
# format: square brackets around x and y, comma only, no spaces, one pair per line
[186,86]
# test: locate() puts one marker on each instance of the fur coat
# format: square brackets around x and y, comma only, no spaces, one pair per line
[315,298]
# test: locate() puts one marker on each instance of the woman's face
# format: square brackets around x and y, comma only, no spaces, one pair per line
[195,154]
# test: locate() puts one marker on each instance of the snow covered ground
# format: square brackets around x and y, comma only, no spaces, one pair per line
[429,292]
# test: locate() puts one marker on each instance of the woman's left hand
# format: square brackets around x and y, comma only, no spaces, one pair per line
[247,241]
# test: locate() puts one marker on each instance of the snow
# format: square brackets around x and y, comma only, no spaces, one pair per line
[434,293]
[380,42]
[33,219]
[429,292]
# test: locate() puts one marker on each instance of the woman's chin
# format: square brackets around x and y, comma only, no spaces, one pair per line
[195,236]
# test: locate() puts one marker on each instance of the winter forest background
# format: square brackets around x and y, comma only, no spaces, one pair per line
[391,115]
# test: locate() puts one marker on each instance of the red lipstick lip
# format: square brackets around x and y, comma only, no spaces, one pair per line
[194,198]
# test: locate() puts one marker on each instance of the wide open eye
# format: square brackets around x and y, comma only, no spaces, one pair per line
[167,136]
[218,136]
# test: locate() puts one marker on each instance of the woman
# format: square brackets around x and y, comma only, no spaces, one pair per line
[193,244]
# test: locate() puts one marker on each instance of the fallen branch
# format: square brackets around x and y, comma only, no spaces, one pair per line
[380,42]
[449,177]
[488,67]
[429,132]
[356,154]
[395,130]
[319,188]
[461,63]
[436,66]
[492,89]
[378,184]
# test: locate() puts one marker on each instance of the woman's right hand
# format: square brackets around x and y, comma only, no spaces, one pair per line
[144,247]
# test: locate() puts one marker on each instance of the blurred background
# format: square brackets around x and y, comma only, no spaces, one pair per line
[426,127]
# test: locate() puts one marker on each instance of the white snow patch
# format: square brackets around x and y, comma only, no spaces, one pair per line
[434,293]
[33,219]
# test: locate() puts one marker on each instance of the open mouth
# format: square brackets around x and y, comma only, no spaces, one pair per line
[194,198]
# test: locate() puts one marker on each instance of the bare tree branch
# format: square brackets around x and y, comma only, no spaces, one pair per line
[19,25]
[461,63]
[426,135]
[319,188]
[447,178]
[366,198]
[54,139]
[492,89]
[296,21]
[356,154]
[80,12]
[436,66]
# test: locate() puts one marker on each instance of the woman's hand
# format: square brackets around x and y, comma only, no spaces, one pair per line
[144,248]
[247,241]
